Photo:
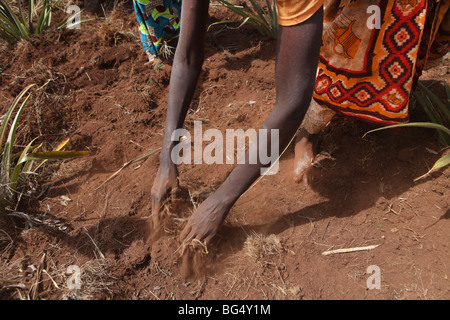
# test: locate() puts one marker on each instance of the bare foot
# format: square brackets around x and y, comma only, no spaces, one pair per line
[164,186]
[305,152]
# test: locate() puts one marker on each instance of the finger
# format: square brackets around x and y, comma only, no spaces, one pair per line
[208,239]
[158,196]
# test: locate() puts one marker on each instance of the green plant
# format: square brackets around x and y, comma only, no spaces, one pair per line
[265,21]
[19,25]
[14,165]
[438,112]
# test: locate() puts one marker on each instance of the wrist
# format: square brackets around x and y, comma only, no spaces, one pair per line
[227,195]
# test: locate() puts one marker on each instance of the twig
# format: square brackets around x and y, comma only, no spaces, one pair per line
[279,274]
[31,221]
[323,235]
[143,157]
[95,245]
[346,250]
[54,283]
[392,210]
[192,200]
[154,295]
[34,287]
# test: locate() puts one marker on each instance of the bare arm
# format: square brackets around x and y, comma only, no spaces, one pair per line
[187,65]
[298,50]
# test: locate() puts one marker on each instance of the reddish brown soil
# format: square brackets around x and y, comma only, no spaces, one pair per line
[95,89]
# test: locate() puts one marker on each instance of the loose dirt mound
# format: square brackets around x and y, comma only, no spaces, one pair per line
[95,89]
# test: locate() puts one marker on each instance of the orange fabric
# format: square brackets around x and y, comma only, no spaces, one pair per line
[292,12]
[370,72]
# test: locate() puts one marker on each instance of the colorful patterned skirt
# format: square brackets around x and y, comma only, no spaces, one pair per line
[158,20]
[372,53]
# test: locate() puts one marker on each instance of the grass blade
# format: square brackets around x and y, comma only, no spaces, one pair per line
[9,28]
[260,11]
[429,125]
[41,17]
[440,163]
[140,158]
[10,18]
[55,155]
[63,24]
[21,15]
[447,91]
[273,12]
[30,16]
[438,111]
[426,106]
[27,166]
[7,151]
[18,167]
[223,21]
[266,23]
[442,107]
[45,17]
[236,9]
[10,112]
[58,148]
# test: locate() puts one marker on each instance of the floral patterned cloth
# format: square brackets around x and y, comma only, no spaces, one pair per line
[158,20]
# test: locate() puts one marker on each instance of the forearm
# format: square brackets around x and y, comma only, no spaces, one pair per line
[182,87]
[186,69]
[286,121]
[295,78]
[297,57]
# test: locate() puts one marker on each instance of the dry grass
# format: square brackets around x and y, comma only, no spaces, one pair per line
[260,247]
[96,281]
[265,278]
[113,31]
[41,277]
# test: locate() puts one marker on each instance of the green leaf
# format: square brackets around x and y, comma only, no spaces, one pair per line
[447,91]
[22,16]
[260,11]
[7,150]
[58,148]
[63,24]
[440,163]
[13,20]
[443,161]
[28,164]
[436,110]
[13,165]
[11,109]
[429,125]
[55,155]
[30,16]
[441,105]
[265,22]
[14,28]
[18,168]
[9,29]
[10,22]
